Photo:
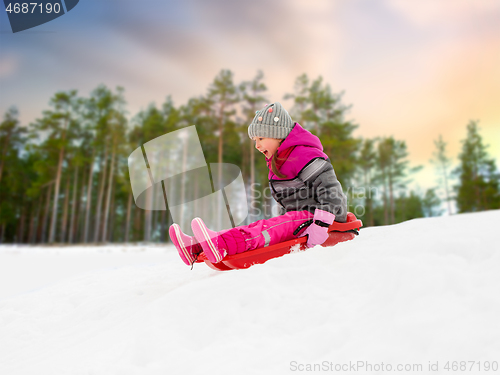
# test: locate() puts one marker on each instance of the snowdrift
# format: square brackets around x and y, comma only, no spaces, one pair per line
[423,292]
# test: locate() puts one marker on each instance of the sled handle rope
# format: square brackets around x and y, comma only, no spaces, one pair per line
[308,223]
[302,226]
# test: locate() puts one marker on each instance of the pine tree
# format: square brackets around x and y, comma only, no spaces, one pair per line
[222,96]
[11,136]
[253,99]
[442,163]
[366,162]
[117,135]
[408,207]
[51,137]
[102,106]
[393,170]
[148,125]
[14,177]
[478,187]
[300,98]
[431,204]
[66,106]
[322,112]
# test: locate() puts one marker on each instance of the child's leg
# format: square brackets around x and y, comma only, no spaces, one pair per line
[269,232]
[248,237]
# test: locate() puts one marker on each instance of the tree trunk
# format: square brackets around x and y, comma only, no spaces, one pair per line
[112,215]
[386,210]
[154,226]
[403,208]
[89,200]
[183,183]
[148,216]
[73,207]
[371,221]
[137,222]
[127,220]
[20,232]
[46,214]
[477,206]
[53,222]
[446,189]
[173,193]
[36,223]
[169,219]
[32,223]
[2,233]
[245,172]
[252,182]
[147,221]
[78,231]
[4,152]
[108,197]
[391,198]
[368,198]
[221,145]
[100,197]
[64,223]
[162,226]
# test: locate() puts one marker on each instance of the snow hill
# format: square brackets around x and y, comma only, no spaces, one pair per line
[424,292]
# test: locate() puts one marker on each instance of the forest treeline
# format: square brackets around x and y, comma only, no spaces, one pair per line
[64,177]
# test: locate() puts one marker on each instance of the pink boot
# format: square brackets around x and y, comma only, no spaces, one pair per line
[187,246]
[213,244]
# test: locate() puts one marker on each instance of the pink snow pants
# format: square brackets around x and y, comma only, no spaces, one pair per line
[264,232]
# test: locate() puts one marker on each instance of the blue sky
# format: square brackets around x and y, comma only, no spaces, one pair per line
[412,69]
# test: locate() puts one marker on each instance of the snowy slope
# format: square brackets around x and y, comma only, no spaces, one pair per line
[422,291]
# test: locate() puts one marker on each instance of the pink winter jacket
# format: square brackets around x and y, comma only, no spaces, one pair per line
[311,181]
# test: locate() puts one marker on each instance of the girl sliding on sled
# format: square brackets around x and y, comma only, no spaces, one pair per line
[302,181]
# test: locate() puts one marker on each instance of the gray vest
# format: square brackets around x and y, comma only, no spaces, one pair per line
[316,186]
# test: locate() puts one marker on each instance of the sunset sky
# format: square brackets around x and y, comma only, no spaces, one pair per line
[413,69]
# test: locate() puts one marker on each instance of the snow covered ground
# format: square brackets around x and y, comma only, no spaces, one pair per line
[398,298]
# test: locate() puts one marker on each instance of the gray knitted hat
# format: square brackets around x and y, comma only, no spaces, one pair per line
[271,122]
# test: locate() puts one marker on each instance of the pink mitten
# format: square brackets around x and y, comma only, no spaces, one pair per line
[317,232]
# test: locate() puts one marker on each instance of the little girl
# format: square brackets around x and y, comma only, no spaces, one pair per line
[302,181]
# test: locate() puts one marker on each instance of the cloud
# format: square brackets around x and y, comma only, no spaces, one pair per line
[427,12]
[404,75]
[8,66]
[204,36]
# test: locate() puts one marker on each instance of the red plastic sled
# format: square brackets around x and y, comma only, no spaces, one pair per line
[338,232]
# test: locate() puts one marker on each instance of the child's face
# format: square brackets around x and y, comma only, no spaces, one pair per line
[267,146]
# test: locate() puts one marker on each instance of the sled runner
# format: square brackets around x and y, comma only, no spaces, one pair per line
[338,232]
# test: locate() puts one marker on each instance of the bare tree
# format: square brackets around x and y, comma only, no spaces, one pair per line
[442,162]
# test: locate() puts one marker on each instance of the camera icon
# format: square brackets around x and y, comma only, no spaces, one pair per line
[171,170]
[25,14]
